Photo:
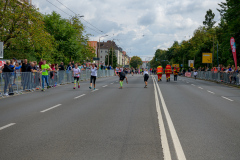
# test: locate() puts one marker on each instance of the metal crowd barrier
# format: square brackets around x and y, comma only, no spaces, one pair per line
[16,83]
[230,78]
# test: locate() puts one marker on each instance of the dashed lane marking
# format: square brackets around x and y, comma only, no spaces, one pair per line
[210,92]
[51,108]
[227,98]
[200,87]
[193,84]
[105,86]
[79,96]
[6,126]
[95,90]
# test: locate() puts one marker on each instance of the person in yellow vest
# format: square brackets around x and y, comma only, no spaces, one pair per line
[175,73]
[168,71]
[159,72]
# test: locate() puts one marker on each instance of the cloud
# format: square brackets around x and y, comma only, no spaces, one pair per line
[161,22]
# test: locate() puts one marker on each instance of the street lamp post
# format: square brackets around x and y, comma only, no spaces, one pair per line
[99,48]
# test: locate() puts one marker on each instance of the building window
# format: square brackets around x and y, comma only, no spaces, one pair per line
[105,51]
[101,56]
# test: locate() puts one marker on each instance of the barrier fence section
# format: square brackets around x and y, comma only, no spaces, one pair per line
[17,82]
[230,78]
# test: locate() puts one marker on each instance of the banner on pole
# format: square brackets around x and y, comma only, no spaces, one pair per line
[234,52]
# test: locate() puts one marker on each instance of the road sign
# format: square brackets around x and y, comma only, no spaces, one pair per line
[1,49]
[173,65]
[191,63]
[96,59]
[206,57]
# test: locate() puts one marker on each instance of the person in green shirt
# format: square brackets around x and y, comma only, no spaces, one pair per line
[45,68]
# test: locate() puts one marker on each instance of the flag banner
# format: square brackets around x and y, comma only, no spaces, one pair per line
[234,52]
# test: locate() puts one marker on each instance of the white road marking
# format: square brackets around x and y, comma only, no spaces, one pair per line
[227,98]
[105,86]
[200,87]
[79,96]
[51,108]
[177,145]
[193,84]
[210,92]
[163,135]
[9,125]
[94,90]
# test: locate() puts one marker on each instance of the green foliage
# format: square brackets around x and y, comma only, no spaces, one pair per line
[27,33]
[209,19]
[22,31]
[206,39]
[135,61]
[111,54]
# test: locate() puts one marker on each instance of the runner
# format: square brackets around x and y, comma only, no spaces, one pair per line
[142,71]
[76,74]
[45,68]
[132,71]
[122,76]
[146,76]
[93,76]
[117,70]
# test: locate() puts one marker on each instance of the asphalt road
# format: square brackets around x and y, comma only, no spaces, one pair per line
[188,119]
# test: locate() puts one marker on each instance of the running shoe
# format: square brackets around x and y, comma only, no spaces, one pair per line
[78,86]
[5,94]
[73,87]
[48,87]
[43,90]
[94,88]
[90,87]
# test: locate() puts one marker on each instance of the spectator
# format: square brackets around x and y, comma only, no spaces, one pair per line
[72,64]
[61,72]
[40,63]
[6,76]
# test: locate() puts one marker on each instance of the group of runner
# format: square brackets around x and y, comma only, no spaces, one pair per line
[121,72]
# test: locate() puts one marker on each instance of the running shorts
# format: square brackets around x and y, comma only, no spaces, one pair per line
[146,76]
[93,79]
[76,78]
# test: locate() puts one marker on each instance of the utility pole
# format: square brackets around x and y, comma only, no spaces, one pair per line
[108,57]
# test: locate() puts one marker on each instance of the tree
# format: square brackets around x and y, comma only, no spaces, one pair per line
[209,19]
[111,54]
[22,31]
[135,61]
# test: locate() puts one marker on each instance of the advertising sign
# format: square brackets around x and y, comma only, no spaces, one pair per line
[2,63]
[173,65]
[234,52]
[190,63]
[206,57]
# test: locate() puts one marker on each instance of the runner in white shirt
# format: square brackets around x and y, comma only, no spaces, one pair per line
[146,76]
[117,70]
[93,76]
[76,74]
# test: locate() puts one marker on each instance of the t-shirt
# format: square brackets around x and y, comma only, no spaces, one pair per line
[29,68]
[145,72]
[80,67]
[24,67]
[75,72]
[194,73]
[61,67]
[44,68]
[94,71]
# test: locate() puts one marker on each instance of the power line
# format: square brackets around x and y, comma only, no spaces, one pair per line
[82,18]
[71,16]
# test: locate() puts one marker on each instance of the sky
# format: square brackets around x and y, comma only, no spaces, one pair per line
[138,27]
